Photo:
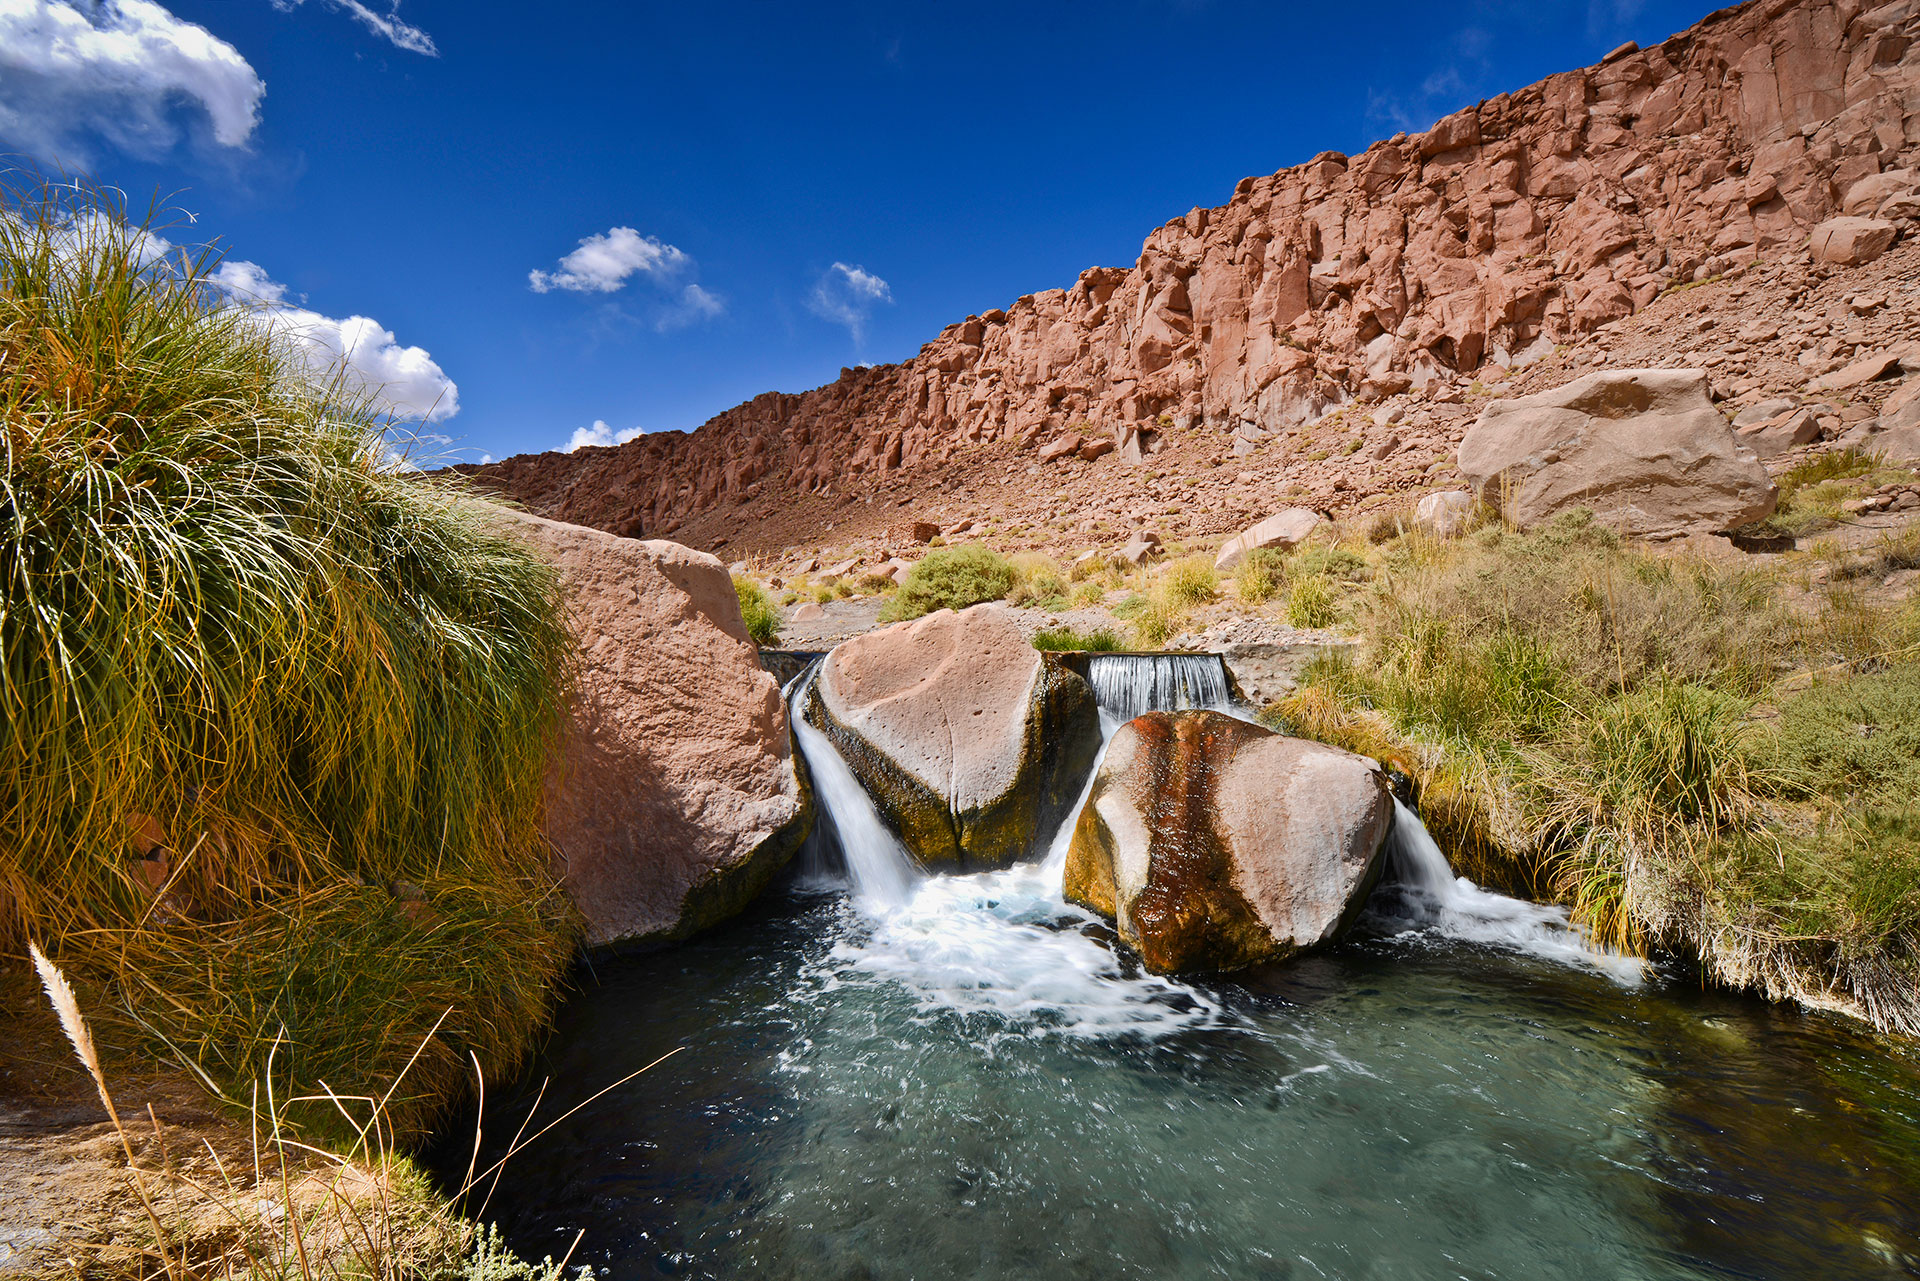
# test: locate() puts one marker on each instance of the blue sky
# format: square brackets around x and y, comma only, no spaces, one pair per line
[638,215]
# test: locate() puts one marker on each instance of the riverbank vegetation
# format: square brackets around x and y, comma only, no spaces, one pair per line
[1699,758]
[277,708]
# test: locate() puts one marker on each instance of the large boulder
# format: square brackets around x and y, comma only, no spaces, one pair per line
[675,797]
[1212,843]
[1282,530]
[971,744]
[1851,242]
[1644,449]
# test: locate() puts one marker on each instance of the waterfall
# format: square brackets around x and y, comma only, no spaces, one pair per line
[883,873]
[1418,892]
[1127,685]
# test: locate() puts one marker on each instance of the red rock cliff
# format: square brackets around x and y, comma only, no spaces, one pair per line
[1526,219]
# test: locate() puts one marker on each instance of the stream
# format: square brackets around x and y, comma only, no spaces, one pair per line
[891,1075]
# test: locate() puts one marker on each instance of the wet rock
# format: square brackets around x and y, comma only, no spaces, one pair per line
[1644,449]
[1214,844]
[675,797]
[971,744]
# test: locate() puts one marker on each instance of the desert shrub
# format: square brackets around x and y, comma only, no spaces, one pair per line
[1190,581]
[278,711]
[1850,736]
[1087,594]
[842,589]
[1041,583]
[1329,560]
[874,584]
[1099,640]
[1156,621]
[1260,576]
[1310,602]
[1131,607]
[951,578]
[757,611]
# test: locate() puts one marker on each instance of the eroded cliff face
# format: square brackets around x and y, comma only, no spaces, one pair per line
[1509,227]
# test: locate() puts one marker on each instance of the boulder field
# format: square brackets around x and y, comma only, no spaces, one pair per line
[1214,844]
[675,796]
[969,741]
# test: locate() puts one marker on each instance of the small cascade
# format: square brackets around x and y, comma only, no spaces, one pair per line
[1419,892]
[883,873]
[1128,685]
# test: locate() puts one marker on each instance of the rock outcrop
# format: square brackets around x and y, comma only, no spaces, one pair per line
[676,795]
[1214,844]
[970,743]
[1644,449]
[1512,225]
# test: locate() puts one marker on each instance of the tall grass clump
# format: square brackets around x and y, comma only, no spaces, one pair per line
[1260,576]
[278,710]
[951,578]
[757,610]
[1190,581]
[1042,583]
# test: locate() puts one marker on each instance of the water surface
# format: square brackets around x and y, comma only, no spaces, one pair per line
[976,1084]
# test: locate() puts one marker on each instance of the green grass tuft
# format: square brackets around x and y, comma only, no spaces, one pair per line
[757,609]
[278,711]
[951,578]
[1099,640]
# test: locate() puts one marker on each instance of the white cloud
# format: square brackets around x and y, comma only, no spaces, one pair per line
[120,70]
[248,282]
[600,435]
[847,296]
[693,306]
[603,262]
[387,26]
[366,357]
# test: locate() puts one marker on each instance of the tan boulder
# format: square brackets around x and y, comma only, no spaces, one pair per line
[675,797]
[1771,437]
[1881,364]
[1851,242]
[809,613]
[1283,530]
[1644,449]
[1865,198]
[1445,514]
[971,744]
[1064,447]
[1213,843]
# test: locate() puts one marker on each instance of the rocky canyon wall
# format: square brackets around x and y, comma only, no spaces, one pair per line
[1519,222]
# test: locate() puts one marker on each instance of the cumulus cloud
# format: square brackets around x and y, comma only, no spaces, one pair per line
[600,435]
[362,354]
[847,295]
[403,381]
[387,26]
[125,71]
[604,261]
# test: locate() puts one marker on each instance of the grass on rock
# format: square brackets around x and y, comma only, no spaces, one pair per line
[1100,640]
[278,710]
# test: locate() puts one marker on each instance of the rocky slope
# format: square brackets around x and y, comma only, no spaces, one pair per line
[1509,230]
